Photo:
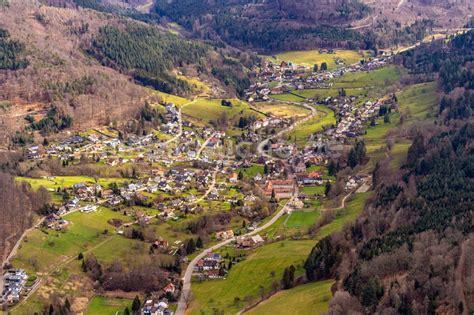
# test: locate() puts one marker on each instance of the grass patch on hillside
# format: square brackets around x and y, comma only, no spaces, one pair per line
[169,98]
[311,57]
[300,134]
[300,219]
[354,208]
[312,298]
[321,94]
[313,190]
[253,170]
[379,78]
[246,277]
[283,110]
[204,111]
[67,181]
[107,306]
[288,97]
[41,249]
[418,102]
[198,86]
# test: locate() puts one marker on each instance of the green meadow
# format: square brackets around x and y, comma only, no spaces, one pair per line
[310,298]
[101,305]
[311,57]
[283,110]
[67,181]
[245,279]
[43,248]
[299,219]
[379,78]
[206,110]
[354,207]
[288,97]
[301,132]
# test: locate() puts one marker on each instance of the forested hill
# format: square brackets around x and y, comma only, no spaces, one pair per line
[410,251]
[269,25]
[92,63]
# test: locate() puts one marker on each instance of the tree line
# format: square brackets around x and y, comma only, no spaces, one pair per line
[11,52]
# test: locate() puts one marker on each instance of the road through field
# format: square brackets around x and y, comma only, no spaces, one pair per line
[262,144]
[185,296]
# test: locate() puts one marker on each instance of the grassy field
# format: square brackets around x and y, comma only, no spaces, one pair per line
[67,181]
[246,277]
[283,110]
[169,98]
[253,170]
[380,78]
[288,97]
[320,94]
[101,305]
[41,249]
[300,219]
[353,209]
[418,102]
[312,190]
[205,110]
[300,134]
[311,57]
[198,86]
[312,298]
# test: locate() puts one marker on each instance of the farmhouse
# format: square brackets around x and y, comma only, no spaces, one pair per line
[224,235]
[249,241]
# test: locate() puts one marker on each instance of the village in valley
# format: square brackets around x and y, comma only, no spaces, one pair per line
[198,194]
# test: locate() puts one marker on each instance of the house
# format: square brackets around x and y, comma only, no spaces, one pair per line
[249,241]
[233,178]
[224,235]
[297,203]
[258,177]
[299,167]
[169,288]
[89,208]
[161,244]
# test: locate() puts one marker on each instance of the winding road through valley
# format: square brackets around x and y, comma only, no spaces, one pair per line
[262,144]
[184,298]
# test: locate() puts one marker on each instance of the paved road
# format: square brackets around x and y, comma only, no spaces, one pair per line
[180,132]
[185,294]
[203,146]
[262,144]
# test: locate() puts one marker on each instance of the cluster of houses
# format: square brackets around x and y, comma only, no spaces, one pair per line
[14,282]
[210,267]
[287,76]
[158,304]
[87,197]
[156,307]
[354,181]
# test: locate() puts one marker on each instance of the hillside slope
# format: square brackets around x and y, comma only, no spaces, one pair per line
[93,66]
[53,38]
